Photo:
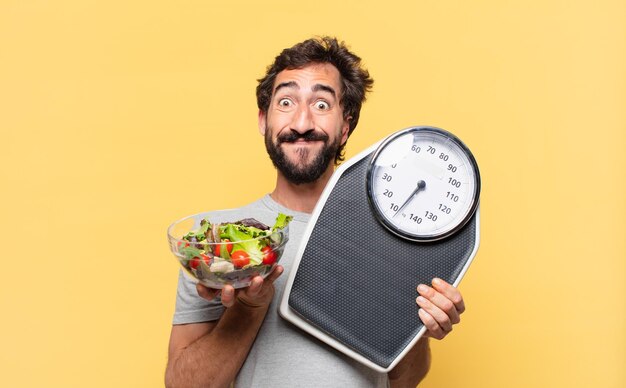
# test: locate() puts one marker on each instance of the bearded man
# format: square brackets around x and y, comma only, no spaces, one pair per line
[309,103]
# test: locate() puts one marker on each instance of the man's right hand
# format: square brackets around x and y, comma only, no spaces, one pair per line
[258,294]
[194,345]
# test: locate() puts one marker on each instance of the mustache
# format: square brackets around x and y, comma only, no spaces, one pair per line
[293,136]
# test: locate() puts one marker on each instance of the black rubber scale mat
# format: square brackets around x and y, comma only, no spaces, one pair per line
[356,281]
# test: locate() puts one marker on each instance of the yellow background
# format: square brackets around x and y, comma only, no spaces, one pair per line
[118,117]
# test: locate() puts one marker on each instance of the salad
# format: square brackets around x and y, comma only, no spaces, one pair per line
[226,252]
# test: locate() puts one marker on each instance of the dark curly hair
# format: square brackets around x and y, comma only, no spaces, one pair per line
[355,80]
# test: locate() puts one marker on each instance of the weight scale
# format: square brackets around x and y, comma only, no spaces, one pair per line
[396,215]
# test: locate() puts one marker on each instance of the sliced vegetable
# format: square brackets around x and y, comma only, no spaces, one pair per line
[195,262]
[218,248]
[269,256]
[221,266]
[240,258]
[245,240]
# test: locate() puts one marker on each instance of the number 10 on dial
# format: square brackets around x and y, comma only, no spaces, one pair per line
[423,183]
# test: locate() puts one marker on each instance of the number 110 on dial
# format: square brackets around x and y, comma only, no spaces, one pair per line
[423,183]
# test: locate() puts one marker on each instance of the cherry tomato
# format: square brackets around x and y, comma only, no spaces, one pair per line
[195,262]
[218,247]
[240,258]
[269,256]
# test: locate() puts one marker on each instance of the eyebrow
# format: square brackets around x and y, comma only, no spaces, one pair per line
[316,87]
[290,84]
[325,88]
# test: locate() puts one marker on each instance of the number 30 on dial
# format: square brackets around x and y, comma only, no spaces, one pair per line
[423,183]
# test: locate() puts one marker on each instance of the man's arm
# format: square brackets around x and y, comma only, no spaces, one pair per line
[440,308]
[413,367]
[210,354]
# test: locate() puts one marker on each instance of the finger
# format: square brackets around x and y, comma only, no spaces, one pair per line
[278,270]
[207,293]
[228,295]
[432,327]
[450,292]
[442,319]
[255,286]
[441,301]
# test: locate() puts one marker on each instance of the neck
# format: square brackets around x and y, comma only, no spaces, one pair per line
[302,197]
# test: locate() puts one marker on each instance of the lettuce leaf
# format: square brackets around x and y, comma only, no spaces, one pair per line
[281,221]
[190,252]
[238,234]
[199,234]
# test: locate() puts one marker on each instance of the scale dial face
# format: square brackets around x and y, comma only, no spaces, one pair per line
[423,183]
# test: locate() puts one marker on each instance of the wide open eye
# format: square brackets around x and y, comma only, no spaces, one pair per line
[285,103]
[322,105]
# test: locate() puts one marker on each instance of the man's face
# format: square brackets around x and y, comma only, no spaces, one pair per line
[304,124]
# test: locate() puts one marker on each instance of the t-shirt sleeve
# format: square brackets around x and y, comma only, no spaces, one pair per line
[192,308]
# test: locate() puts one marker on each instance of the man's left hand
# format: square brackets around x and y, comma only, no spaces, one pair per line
[440,307]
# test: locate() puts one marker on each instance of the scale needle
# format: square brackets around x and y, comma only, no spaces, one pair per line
[421,185]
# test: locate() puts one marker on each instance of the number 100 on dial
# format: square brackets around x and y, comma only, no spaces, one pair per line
[423,183]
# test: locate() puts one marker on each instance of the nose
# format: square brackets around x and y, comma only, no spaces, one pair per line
[302,120]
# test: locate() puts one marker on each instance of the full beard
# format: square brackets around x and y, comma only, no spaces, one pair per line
[302,170]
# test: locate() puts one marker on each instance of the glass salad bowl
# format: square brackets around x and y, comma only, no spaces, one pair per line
[218,248]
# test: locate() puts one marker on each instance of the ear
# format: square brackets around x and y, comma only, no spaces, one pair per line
[262,122]
[345,129]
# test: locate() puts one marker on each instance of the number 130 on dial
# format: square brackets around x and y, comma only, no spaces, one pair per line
[423,183]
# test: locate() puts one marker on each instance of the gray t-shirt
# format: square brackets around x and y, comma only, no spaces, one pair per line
[282,355]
